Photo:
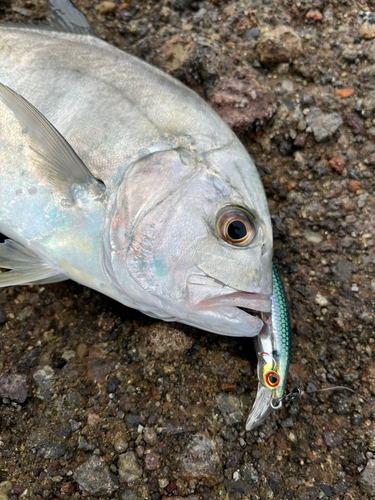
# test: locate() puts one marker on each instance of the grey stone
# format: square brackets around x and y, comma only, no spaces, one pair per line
[249,473]
[231,408]
[349,55]
[367,478]
[368,105]
[36,437]
[13,386]
[252,34]
[323,125]
[129,469]
[84,445]
[94,476]
[129,495]
[121,446]
[332,439]
[312,494]
[44,378]
[51,450]
[201,460]
[22,11]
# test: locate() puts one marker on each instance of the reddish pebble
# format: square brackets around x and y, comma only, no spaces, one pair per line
[171,487]
[11,469]
[68,488]
[344,93]
[155,394]
[355,184]
[314,15]
[338,164]
[152,462]
[55,466]
[228,387]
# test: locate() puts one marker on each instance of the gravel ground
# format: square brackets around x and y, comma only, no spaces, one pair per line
[98,400]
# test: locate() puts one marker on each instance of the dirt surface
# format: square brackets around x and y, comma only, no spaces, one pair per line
[100,401]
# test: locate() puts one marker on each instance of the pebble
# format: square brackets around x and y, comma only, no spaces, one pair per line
[323,125]
[150,436]
[337,164]
[367,31]
[129,495]
[344,93]
[241,101]
[22,11]
[105,8]
[201,460]
[94,476]
[367,478]
[44,378]
[99,366]
[51,450]
[332,439]
[252,34]
[278,46]
[166,341]
[121,446]
[231,408]
[129,469]
[314,15]
[313,236]
[368,104]
[321,300]
[14,387]
[152,461]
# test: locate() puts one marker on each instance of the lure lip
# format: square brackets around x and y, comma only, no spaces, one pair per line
[262,407]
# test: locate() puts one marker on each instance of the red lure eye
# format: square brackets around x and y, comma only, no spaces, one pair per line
[272,379]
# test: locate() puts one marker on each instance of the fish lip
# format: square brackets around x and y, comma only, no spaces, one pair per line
[261,408]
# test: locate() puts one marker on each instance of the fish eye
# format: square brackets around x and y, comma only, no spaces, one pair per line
[272,379]
[235,226]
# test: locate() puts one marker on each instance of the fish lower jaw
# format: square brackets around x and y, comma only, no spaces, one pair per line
[252,324]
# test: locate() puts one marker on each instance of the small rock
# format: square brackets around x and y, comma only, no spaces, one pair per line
[241,101]
[279,45]
[167,342]
[51,450]
[313,236]
[129,495]
[13,386]
[94,476]
[121,446]
[99,367]
[355,123]
[22,11]
[367,478]
[152,461]
[368,104]
[231,408]
[129,469]
[344,93]
[105,8]
[332,439]
[367,31]
[323,125]
[201,460]
[337,164]
[68,488]
[349,55]
[321,300]
[252,34]
[112,385]
[25,314]
[44,379]
[314,15]
[150,436]
[84,445]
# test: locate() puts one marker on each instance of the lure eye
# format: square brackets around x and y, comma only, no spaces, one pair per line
[235,226]
[272,379]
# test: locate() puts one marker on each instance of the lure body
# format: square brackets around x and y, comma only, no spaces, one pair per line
[273,351]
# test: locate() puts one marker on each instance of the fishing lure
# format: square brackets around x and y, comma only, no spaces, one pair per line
[273,352]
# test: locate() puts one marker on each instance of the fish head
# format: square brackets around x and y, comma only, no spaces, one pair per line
[189,239]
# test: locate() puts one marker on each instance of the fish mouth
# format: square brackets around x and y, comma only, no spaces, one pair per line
[261,408]
[249,308]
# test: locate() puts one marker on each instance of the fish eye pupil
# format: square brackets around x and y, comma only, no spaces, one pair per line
[237,230]
[273,379]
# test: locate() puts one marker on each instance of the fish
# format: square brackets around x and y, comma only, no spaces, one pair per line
[116,175]
[273,347]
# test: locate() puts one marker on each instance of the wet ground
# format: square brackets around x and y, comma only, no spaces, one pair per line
[98,400]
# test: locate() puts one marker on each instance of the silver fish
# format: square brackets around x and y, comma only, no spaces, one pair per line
[117,176]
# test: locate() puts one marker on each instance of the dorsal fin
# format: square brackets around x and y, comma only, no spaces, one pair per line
[50,153]
[66,17]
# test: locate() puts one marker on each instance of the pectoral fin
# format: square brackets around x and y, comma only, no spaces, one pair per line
[49,152]
[26,268]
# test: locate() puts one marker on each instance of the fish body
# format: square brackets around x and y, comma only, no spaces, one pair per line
[117,176]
